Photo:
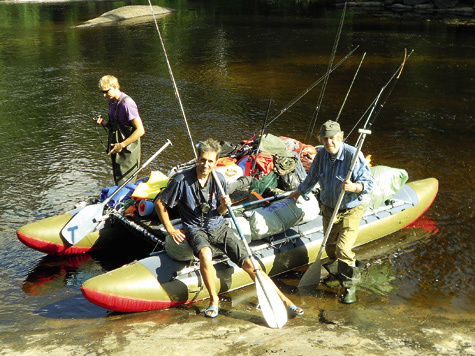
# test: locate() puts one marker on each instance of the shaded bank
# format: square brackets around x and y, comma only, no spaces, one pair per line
[436,8]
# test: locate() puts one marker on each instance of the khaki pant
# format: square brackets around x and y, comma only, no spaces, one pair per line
[343,234]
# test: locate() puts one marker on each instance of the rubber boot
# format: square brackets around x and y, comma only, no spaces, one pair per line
[331,280]
[349,277]
[348,296]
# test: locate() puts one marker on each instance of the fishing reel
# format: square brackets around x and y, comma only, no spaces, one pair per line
[98,118]
[100,121]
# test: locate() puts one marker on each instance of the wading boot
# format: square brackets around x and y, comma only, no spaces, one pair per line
[349,277]
[331,280]
[349,296]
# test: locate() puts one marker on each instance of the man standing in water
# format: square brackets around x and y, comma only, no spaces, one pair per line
[330,168]
[201,206]
[125,129]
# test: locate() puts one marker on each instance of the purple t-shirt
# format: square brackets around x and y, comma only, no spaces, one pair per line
[127,110]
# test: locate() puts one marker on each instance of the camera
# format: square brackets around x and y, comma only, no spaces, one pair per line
[205,208]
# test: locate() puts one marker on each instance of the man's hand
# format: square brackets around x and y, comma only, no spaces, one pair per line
[351,187]
[225,201]
[116,148]
[295,195]
[99,120]
[178,235]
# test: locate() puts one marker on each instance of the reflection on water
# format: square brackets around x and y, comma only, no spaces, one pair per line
[228,61]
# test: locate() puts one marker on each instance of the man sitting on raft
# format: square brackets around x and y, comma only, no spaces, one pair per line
[201,206]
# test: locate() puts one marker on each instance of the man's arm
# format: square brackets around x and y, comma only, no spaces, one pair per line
[177,235]
[136,134]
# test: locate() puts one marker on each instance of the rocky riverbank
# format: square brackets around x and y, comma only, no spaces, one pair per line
[431,8]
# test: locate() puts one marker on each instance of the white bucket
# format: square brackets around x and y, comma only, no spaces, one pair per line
[231,172]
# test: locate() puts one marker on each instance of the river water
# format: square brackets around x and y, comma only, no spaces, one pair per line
[229,59]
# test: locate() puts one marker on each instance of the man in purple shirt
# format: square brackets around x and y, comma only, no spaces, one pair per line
[125,128]
[330,168]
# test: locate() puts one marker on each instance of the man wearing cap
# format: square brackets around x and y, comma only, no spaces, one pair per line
[330,168]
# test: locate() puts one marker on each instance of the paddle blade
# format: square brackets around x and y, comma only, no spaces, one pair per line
[83,223]
[272,306]
[312,276]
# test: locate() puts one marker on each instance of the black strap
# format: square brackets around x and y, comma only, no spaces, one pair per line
[201,196]
[117,109]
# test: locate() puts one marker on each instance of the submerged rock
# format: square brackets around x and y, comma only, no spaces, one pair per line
[124,13]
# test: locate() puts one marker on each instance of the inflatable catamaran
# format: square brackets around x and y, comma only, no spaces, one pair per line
[282,234]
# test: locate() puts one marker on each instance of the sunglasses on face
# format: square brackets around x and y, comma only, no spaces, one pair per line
[105,91]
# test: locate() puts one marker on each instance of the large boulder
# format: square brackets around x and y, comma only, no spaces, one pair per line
[128,13]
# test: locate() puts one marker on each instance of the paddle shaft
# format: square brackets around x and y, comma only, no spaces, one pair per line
[246,245]
[137,172]
[88,218]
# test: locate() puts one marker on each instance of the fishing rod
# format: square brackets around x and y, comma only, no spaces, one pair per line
[96,117]
[373,105]
[406,56]
[313,85]
[351,85]
[261,133]
[322,92]
[177,94]
[305,92]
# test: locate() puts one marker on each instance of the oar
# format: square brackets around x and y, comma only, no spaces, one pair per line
[312,276]
[88,218]
[271,304]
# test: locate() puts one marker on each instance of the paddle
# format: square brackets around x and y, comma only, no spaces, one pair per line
[271,304]
[88,218]
[312,276]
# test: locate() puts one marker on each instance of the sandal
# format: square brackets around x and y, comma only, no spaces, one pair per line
[212,311]
[295,310]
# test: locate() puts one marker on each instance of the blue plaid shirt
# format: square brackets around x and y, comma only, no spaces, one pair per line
[331,175]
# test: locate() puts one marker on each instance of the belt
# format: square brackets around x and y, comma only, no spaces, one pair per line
[339,210]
